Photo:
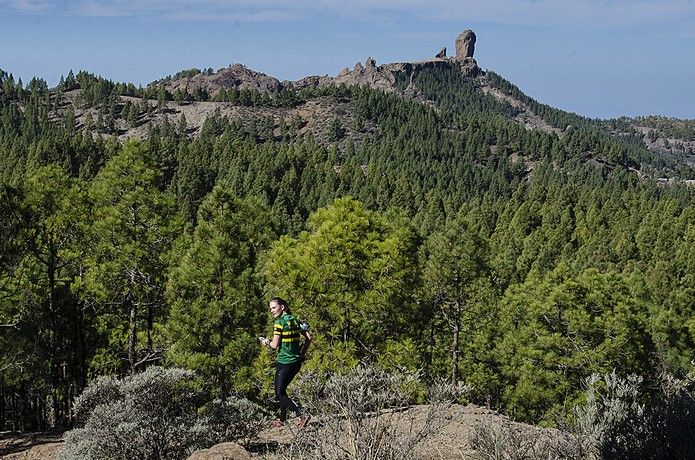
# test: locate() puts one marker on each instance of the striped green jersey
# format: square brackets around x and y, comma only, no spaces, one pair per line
[287,327]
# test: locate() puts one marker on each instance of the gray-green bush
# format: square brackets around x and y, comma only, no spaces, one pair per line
[232,419]
[505,441]
[620,418]
[154,415]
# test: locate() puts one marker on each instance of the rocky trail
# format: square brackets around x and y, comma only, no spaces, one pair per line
[452,436]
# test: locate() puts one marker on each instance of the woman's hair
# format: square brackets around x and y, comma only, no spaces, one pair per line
[282,302]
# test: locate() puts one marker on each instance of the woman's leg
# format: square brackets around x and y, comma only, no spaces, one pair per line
[284,373]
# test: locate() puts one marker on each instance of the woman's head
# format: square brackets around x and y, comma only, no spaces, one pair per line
[278,306]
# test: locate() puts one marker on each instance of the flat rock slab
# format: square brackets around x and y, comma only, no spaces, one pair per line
[224,451]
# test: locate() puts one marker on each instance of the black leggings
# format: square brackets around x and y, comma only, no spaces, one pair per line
[284,373]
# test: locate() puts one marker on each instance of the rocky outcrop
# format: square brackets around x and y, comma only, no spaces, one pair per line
[384,76]
[313,81]
[469,68]
[224,451]
[465,45]
[370,74]
[235,76]
[465,48]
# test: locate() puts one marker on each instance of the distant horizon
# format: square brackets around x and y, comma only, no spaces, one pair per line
[599,59]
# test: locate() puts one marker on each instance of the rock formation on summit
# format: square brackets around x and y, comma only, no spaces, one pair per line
[465,45]
[235,76]
[369,74]
[384,76]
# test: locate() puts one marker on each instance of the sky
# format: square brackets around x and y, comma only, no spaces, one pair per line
[597,58]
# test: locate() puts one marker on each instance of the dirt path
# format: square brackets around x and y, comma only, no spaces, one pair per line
[29,446]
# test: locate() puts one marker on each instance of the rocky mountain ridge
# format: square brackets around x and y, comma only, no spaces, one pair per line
[311,116]
[194,95]
[314,114]
[382,77]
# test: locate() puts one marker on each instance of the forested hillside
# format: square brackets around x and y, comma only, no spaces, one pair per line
[435,233]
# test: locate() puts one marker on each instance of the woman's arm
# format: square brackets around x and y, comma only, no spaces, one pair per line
[275,343]
[307,342]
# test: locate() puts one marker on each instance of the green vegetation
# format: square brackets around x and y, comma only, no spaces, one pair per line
[669,127]
[454,241]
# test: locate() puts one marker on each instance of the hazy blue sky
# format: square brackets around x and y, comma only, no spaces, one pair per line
[599,58]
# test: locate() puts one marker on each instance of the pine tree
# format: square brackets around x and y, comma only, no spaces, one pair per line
[133,227]
[216,295]
[454,259]
[352,276]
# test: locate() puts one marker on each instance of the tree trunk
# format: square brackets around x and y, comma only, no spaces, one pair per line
[132,339]
[430,347]
[82,379]
[38,413]
[2,406]
[346,324]
[224,382]
[52,324]
[455,344]
[150,322]
[14,410]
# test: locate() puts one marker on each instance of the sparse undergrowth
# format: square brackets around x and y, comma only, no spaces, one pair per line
[155,415]
[369,413]
[360,414]
[615,421]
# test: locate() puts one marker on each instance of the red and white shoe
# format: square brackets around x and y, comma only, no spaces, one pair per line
[278,423]
[303,420]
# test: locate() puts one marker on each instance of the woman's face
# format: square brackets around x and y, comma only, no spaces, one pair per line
[275,309]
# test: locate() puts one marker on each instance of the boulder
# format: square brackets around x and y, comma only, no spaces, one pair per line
[465,44]
[441,54]
[224,451]
[370,64]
